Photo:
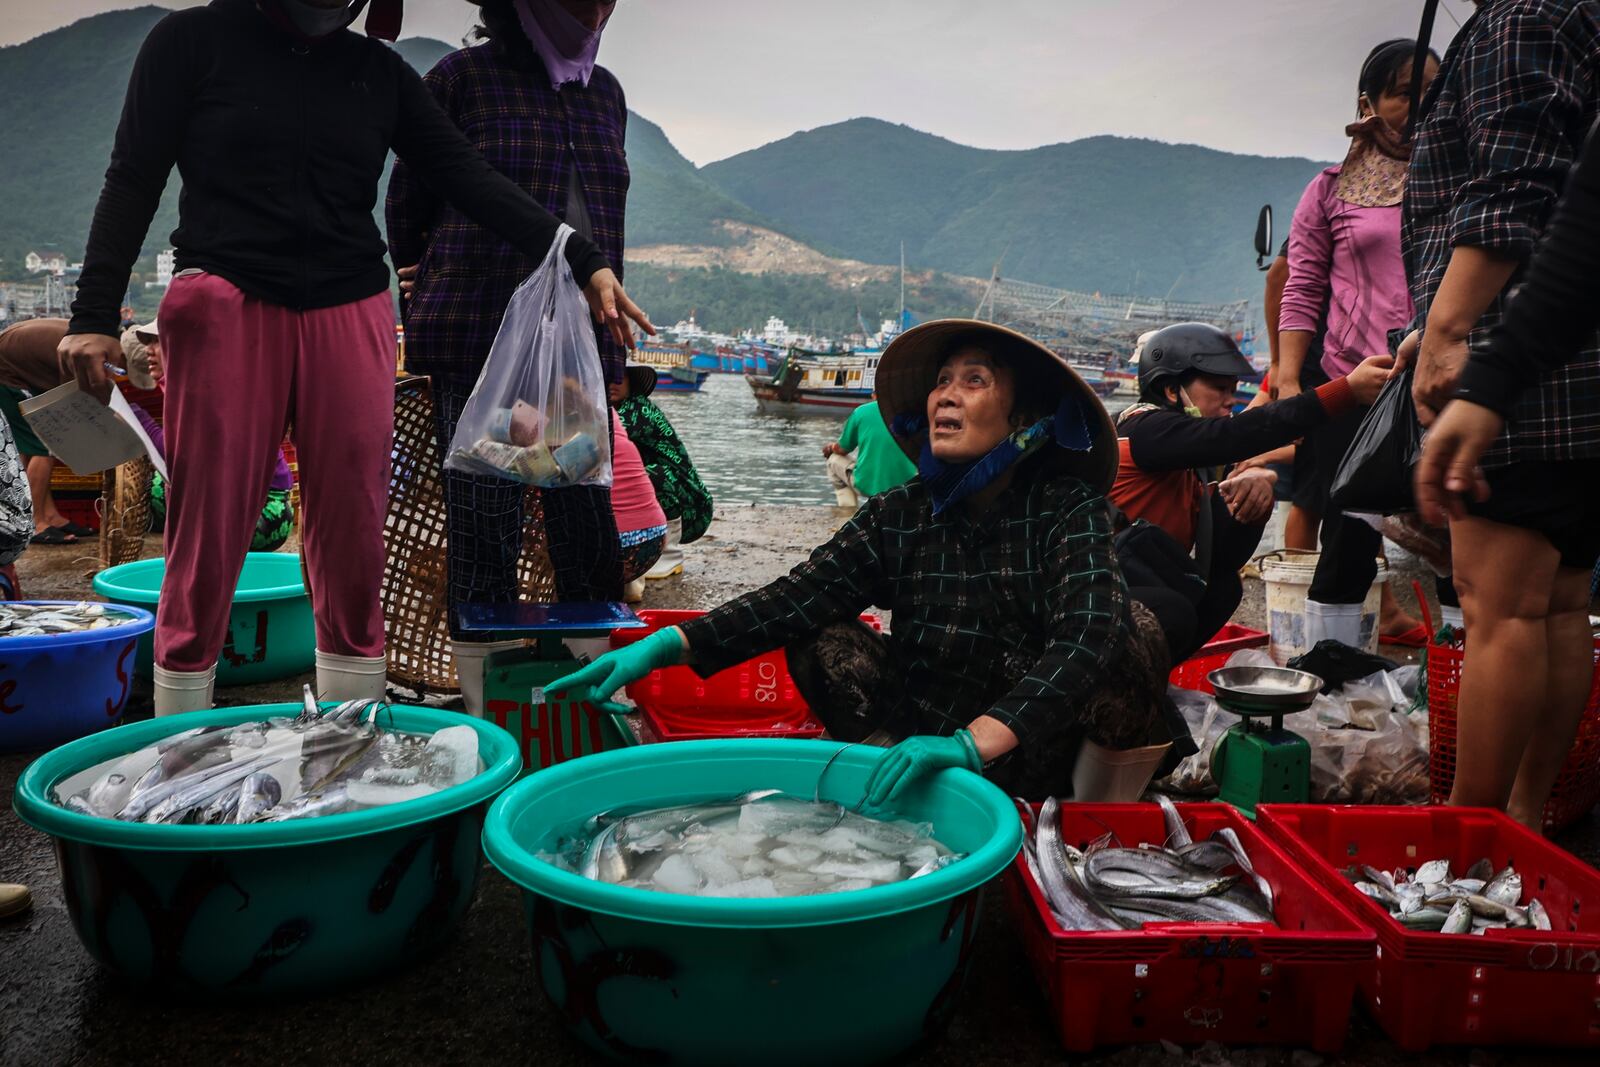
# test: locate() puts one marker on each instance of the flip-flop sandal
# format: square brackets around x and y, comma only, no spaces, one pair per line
[55,535]
[1416,637]
[78,530]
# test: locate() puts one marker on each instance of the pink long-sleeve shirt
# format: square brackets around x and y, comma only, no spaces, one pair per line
[633,497]
[1348,259]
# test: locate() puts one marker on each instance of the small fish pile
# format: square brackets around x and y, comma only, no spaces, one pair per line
[321,762]
[1109,887]
[760,844]
[38,620]
[1434,900]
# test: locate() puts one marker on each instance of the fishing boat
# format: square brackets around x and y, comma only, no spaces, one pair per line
[674,372]
[816,383]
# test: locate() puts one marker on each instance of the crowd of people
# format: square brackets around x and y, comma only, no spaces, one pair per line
[1044,567]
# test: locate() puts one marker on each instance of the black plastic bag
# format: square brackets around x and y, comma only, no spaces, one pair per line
[1337,663]
[1374,477]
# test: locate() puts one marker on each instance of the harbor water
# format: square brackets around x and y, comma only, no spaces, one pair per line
[746,457]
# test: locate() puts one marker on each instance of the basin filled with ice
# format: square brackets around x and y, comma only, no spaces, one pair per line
[880,932]
[261,851]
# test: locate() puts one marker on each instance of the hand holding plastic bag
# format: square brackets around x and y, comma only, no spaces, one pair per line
[538,414]
[1375,475]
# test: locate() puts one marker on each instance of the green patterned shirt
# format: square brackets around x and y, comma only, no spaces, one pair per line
[679,490]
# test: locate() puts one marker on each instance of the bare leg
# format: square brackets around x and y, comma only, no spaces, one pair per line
[1392,619]
[1505,675]
[45,513]
[1570,651]
[1300,529]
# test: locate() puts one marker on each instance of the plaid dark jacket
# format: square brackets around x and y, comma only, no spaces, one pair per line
[1018,615]
[532,134]
[1515,95]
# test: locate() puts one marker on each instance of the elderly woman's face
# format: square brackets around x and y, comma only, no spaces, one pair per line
[969,409]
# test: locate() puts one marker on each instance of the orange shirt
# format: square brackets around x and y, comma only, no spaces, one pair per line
[1170,499]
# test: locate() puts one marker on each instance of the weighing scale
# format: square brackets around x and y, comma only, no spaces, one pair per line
[514,679]
[1257,761]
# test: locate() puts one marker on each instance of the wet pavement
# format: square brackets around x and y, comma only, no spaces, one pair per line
[476,1001]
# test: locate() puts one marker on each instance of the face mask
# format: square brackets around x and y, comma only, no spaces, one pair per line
[314,21]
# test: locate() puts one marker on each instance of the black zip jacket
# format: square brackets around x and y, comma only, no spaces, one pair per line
[281,145]
[1173,441]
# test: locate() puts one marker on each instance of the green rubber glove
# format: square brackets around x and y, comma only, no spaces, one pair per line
[595,683]
[916,757]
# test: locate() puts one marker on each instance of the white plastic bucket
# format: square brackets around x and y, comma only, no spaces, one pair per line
[1287,574]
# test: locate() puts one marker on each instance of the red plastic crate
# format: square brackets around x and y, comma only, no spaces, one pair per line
[1213,655]
[1245,983]
[83,510]
[1504,987]
[756,698]
[1577,788]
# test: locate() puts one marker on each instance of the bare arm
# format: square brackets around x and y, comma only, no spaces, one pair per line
[1272,304]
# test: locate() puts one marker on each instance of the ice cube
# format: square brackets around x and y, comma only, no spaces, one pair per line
[750,887]
[872,870]
[795,855]
[742,846]
[376,794]
[848,884]
[450,757]
[677,874]
[716,868]
[776,815]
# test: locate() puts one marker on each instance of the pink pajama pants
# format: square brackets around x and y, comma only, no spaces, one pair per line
[239,372]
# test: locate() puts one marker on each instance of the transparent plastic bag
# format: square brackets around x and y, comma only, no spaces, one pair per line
[538,414]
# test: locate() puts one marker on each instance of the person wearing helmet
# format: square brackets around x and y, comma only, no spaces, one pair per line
[279,121]
[1178,448]
[1013,636]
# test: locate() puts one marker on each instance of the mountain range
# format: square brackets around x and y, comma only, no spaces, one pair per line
[1103,213]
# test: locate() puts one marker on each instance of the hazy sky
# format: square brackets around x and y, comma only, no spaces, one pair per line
[1271,77]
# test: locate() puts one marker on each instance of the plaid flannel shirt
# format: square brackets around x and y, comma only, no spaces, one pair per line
[534,135]
[1515,95]
[1017,614]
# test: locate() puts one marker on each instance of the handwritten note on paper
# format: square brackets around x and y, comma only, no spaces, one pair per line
[80,431]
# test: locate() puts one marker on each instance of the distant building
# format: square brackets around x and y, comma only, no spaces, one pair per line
[776,331]
[40,262]
[164,264]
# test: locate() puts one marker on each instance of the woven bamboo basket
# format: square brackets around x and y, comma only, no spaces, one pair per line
[124,512]
[415,607]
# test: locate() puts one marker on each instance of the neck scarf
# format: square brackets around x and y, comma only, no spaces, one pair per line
[950,483]
[566,46]
[1374,171]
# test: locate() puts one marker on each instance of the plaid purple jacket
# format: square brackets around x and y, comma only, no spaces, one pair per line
[1516,93]
[532,134]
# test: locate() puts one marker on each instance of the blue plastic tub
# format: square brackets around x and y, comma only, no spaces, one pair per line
[270,909]
[62,686]
[852,977]
[270,630]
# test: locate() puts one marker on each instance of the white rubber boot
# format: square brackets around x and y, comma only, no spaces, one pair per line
[342,678]
[633,592]
[1333,622]
[671,561]
[1114,775]
[180,691]
[469,669]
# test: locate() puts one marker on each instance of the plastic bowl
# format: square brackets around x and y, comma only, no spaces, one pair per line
[837,978]
[61,686]
[270,632]
[271,909]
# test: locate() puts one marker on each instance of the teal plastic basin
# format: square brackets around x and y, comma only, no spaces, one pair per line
[272,909]
[849,977]
[270,631]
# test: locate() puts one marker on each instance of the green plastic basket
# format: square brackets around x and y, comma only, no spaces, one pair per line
[271,908]
[655,976]
[270,631]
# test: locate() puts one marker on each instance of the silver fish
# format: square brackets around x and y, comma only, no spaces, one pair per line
[1436,872]
[330,802]
[1177,833]
[181,803]
[1426,918]
[1069,897]
[1481,871]
[1470,885]
[1538,916]
[1489,909]
[221,808]
[258,794]
[1228,837]
[1459,921]
[1505,888]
